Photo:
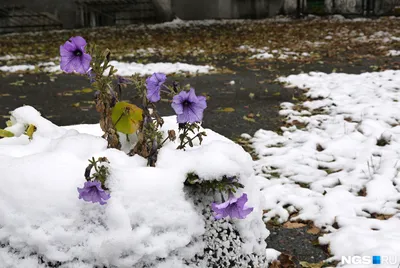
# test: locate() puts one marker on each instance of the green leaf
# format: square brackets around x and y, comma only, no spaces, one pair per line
[6,133]
[111,71]
[126,117]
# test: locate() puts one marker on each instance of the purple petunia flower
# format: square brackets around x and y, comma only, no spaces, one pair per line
[189,107]
[74,57]
[153,85]
[234,208]
[92,192]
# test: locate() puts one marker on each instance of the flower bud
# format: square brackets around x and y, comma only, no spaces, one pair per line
[171,135]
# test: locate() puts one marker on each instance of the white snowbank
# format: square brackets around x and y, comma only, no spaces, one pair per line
[17,68]
[333,170]
[265,53]
[14,57]
[148,219]
[124,68]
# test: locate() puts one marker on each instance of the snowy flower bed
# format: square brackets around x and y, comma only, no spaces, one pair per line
[156,192]
[151,217]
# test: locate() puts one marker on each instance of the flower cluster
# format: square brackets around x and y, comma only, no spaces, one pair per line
[187,105]
[117,117]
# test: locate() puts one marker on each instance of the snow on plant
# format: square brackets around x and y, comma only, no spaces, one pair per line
[117,117]
[122,117]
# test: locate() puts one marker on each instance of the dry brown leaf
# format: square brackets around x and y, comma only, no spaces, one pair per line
[381,217]
[314,230]
[293,225]
[275,264]
[286,261]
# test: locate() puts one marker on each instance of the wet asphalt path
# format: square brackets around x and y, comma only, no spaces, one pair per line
[254,95]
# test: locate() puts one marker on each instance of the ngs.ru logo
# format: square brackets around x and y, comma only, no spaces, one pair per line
[391,260]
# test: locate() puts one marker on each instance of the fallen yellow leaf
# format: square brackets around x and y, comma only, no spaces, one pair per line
[305,264]
[226,109]
[249,119]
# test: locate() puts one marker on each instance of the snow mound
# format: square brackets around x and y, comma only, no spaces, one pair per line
[127,69]
[150,219]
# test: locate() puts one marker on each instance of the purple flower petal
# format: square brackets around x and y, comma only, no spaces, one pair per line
[192,95]
[153,95]
[219,208]
[233,207]
[245,212]
[233,212]
[92,192]
[176,104]
[66,65]
[78,41]
[83,64]
[241,201]
[73,56]
[68,47]
[153,85]
[188,107]
[218,216]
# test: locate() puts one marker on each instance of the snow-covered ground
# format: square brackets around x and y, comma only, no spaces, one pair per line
[341,170]
[124,68]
